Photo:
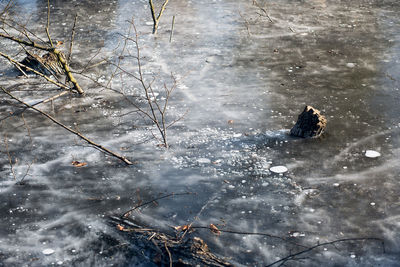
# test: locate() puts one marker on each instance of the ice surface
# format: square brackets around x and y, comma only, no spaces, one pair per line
[242,81]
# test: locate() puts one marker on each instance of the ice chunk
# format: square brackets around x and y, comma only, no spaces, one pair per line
[372,154]
[48,251]
[278,169]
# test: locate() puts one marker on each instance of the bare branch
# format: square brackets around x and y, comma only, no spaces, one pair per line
[107,151]
[156,20]
[292,256]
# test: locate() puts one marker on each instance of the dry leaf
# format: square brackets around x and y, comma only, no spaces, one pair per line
[214,229]
[182,227]
[120,227]
[78,164]
[230,121]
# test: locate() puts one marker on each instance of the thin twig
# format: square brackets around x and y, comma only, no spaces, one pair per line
[5,141]
[292,256]
[128,212]
[71,43]
[249,233]
[102,148]
[48,24]
[169,254]
[15,113]
[263,10]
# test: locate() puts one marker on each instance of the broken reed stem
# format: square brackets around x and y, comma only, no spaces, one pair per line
[71,43]
[156,20]
[102,148]
[172,28]
[48,24]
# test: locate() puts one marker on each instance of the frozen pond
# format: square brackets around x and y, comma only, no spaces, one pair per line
[245,70]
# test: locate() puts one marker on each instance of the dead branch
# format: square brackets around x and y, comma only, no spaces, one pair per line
[102,148]
[156,20]
[35,104]
[53,50]
[294,255]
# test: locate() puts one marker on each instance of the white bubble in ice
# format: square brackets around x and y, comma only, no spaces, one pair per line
[48,251]
[278,169]
[203,161]
[350,65]
[372,154]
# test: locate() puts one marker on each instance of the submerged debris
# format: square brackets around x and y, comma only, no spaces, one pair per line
[47,64]
[309,124]
[165,249]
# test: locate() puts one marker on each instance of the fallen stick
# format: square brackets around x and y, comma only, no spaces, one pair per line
[15,113]
[102,148]
[292,256]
